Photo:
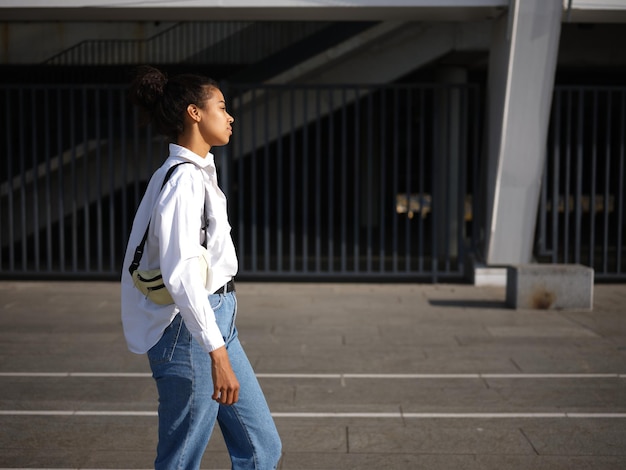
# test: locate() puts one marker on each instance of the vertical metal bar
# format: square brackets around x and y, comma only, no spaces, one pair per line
[607,185]
[368,182]
[252,197]
[10,186]
[421,195]
[22,159]
[318,179]
[343,180]
[407,176]
[86,183]
[620,188]
[279,182]
[330,168]
[473,110]
[395,118]
[99,221]
[382,202]
[448,91]
[579,177]
[594,157]
[73,175]
[357,159]
[61,191]
[292,181]
[566,191]
[34,172]
[110,141]
[305,181]
[435,204]
[266,188]
[463,176]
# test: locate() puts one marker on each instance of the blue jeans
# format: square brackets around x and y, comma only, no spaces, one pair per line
[187,414]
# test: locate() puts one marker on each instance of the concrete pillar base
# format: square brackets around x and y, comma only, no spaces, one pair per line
[549,286]
[480,275]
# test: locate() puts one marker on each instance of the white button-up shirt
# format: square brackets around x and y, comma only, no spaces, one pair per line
[176,215]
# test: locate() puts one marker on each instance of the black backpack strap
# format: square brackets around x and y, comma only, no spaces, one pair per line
[139,250]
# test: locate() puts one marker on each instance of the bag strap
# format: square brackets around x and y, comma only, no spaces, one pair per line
[139,250]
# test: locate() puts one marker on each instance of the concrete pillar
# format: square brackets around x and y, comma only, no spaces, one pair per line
[522,65]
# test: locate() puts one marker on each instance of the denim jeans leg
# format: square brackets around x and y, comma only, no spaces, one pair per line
[247,426]
[187,414]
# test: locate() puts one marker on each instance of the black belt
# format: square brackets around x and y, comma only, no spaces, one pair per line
[228,287]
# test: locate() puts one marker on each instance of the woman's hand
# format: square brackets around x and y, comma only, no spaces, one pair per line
[225,383]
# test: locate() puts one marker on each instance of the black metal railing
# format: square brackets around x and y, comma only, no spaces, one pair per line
[324,182]
[582,211]
[200,42]
[354,181]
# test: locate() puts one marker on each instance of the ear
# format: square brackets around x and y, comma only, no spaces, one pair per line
[192,111]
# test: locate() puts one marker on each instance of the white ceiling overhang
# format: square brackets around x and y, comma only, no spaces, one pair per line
[609,11]
[253,10]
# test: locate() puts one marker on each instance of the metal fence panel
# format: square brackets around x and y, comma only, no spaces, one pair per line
[324,182]
[581,210]
[353,181]
[70,180]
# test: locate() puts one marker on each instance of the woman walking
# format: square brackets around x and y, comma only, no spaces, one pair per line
[201,371]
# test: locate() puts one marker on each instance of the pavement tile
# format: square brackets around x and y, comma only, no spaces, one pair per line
[359,461]
[320,438]
[515,462]
[576,395]
[578,437]
[438,438]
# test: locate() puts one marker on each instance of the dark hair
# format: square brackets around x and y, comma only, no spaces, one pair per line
[163,101]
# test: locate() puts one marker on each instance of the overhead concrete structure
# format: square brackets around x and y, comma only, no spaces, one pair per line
[344,10]
[204,10]
[386,45]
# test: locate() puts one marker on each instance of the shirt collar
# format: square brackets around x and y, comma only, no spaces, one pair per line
[186,154]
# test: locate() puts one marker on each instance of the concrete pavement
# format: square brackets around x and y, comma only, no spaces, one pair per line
[358,376]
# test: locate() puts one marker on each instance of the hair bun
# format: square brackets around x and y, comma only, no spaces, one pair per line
[148,87]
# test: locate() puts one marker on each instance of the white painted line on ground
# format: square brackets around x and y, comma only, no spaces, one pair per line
[552,376]
[595,415]
[317,415]
[395,415]
[335,376]
[76,374]
[448,415]
[75,413]
[514,415]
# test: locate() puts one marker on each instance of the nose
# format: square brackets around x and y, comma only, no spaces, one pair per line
[231,119]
